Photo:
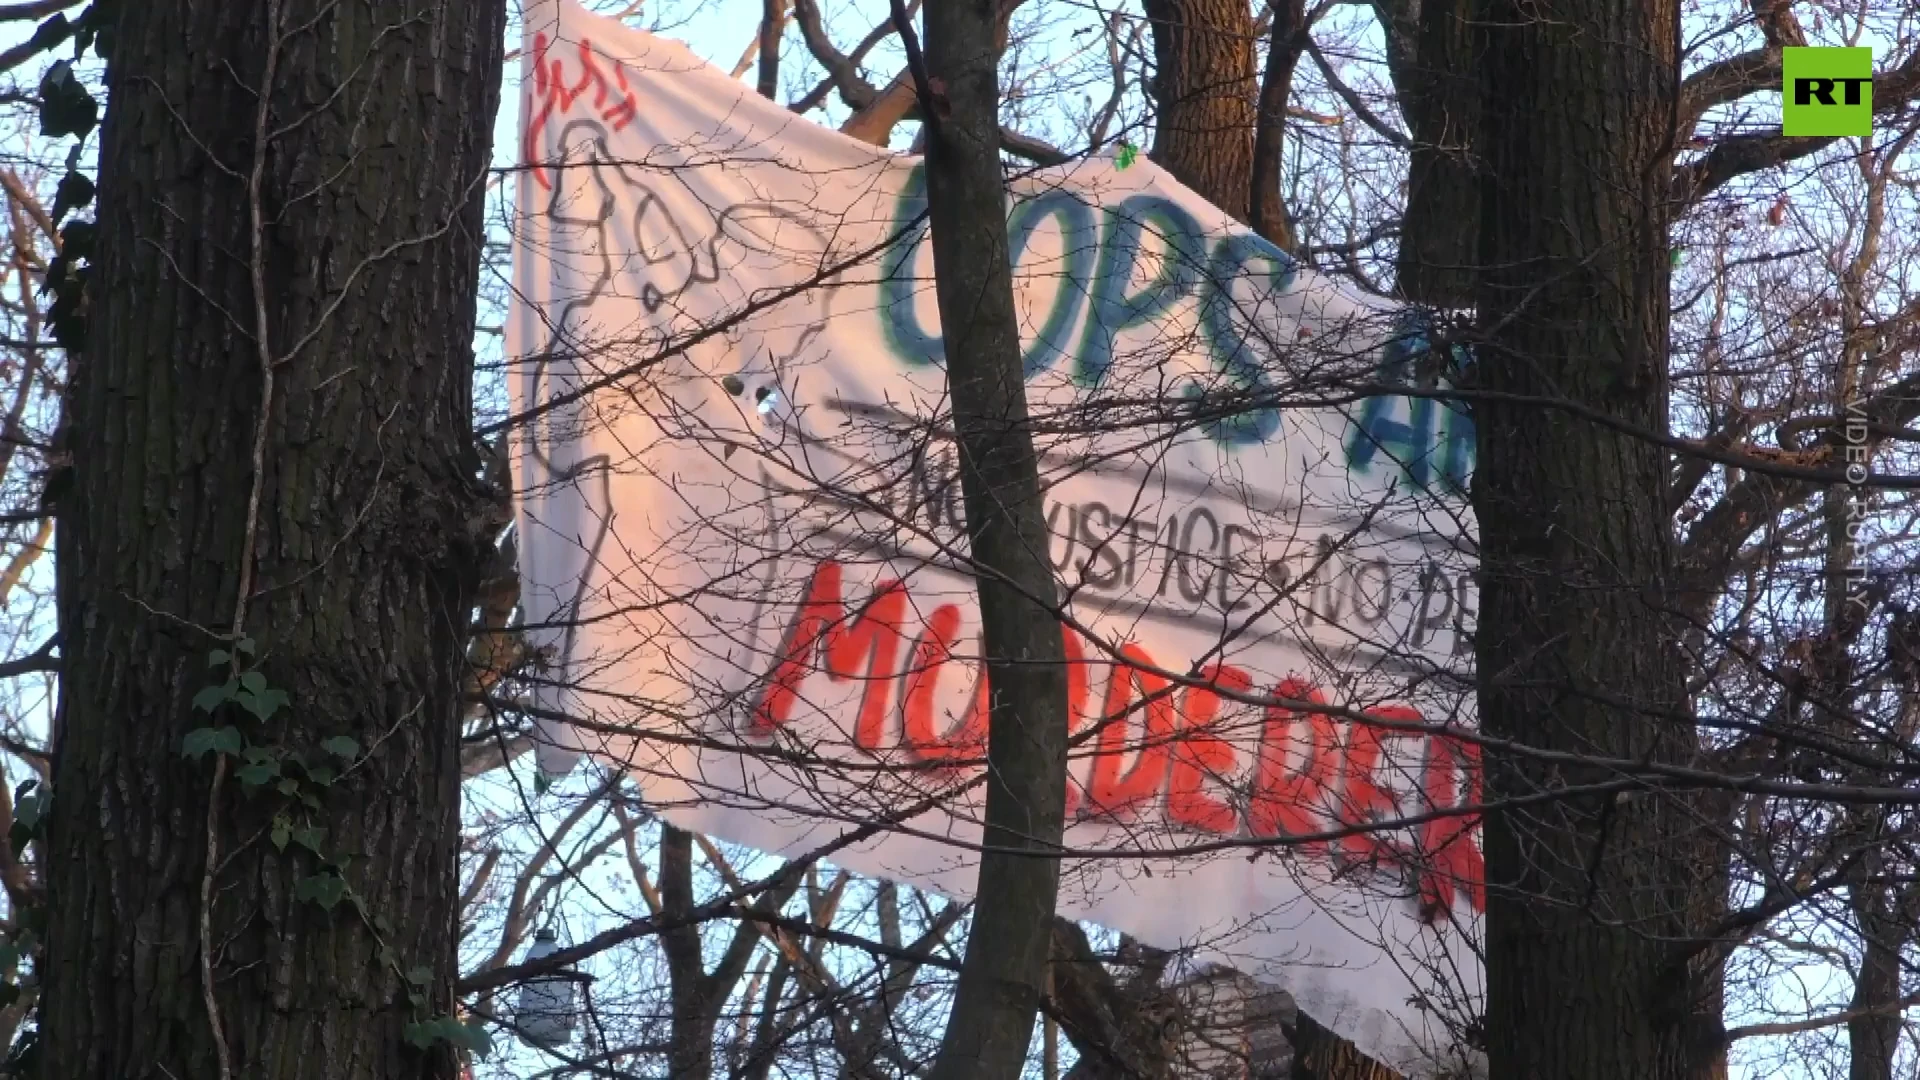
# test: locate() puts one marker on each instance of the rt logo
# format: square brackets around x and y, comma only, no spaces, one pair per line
[1828,92]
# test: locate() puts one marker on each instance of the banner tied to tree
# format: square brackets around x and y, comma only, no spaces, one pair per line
[743,548]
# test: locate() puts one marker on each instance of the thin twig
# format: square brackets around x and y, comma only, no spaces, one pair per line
[257,269]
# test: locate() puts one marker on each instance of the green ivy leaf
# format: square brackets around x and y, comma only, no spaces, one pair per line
[219,658]
[200,741]
[324,890]
[263,703]
[420,976]
[74,191]
[253,682]
[1125,158]
[97,28]
[420,1035]
[288,786]
[66,107]
[479,1040]
[321,774]
[67,315]
[257,774]
[310,837]
[212,697]
[50,33]
[469,1035]
[28,810]
[282,832]
[344,747]
[244,645]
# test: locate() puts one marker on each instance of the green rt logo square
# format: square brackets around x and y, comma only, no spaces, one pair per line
[1829,92]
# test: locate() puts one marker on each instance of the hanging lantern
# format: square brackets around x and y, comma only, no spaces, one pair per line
[547,1012]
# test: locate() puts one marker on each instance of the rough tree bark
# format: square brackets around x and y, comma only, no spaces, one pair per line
[1437,81]
[1267,209]
[1004,975]
[1204,92]
[270,425]
[1587,899]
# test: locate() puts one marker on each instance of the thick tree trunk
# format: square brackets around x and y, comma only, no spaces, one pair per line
[354,299]
[1438,84]
[1588,898]
[1204,93]
[1004,975]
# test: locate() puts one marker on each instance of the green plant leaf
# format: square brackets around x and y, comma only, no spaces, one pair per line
[1125,158]
[420,1035]
[66,107]
[344,747]
[257,774]
[50,33]
[321,774]
[288,786]
[253,682]
[212,697]
[244,645]
[29,810]
[282,832]
[324,890]
[420,975]
[75,190]
[310,837]
[264,703]
[197,743]
[479,1040]
[219,658]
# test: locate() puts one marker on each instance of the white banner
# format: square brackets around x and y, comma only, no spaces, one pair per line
[742,555]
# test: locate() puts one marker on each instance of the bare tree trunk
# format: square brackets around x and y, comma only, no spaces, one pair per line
[1587,897]
[271,433]
[1439,90]
[1004,974]
[773,20]
[1267,207]
[1204,91]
